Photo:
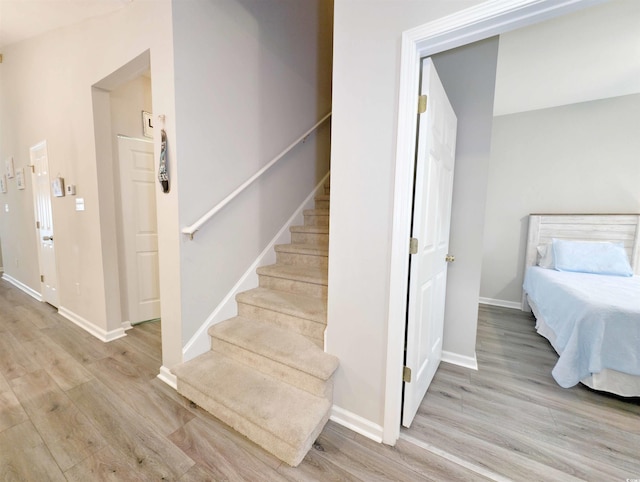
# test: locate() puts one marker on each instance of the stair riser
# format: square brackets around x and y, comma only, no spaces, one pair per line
[321,204]
[302,259]
[316,220]
[310,238]
[312,330]
[294,286]
[269,442]
[272,368]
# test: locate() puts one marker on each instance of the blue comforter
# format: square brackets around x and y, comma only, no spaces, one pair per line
[596,320]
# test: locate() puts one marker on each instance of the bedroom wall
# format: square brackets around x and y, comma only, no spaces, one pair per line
[579,158]
[565,133]
[251,77]
[468,75]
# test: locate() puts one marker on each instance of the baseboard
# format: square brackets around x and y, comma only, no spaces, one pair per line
[20,285]
[167,377]
[89,327]
[516,305]
[126,325]
[356,423]
[200,342]
[460,360]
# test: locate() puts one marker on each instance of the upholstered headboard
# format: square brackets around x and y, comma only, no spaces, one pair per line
[623,228]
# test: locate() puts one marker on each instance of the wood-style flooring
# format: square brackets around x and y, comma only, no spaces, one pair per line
[512,419]
[74,408]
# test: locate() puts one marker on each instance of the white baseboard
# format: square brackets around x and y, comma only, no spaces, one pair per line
[167,377]
[200,342]
[357,423]
[22,286]
[460,360]
[502,303]
[126,325]
[89,327]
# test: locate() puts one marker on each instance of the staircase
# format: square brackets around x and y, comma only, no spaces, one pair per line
[266,374]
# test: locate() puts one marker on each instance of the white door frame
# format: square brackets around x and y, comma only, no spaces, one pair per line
[461,28]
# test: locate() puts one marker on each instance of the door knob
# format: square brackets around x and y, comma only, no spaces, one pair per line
[449,258]
[47,238]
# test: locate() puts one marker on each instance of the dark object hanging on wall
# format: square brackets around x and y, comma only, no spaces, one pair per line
[163,173]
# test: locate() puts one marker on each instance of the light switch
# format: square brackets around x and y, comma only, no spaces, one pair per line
[80,204]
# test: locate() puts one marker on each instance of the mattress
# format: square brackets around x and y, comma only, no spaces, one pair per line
[592,321]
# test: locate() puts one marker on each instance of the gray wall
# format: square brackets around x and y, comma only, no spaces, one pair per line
[468,74]
[251,76]
[579,158]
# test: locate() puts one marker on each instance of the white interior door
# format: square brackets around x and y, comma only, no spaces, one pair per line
[431,220]
[140,229]
[44,223]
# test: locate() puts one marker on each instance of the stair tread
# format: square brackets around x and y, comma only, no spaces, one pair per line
[310,229]
[309,274]
[322,197]
[278,344]
[316,212]
[307,307]
[300,248]
[287,412]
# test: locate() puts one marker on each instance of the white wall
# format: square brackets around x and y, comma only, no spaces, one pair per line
[251,76]
[468,74]
[46,94]
[577,151]
[579,158]
[365,97]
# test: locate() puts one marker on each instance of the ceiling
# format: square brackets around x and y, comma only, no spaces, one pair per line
[23,19]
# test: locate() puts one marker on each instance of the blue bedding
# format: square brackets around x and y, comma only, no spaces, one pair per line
[596,320]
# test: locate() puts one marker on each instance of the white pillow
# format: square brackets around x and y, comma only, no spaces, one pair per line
[545,256]
[591,257]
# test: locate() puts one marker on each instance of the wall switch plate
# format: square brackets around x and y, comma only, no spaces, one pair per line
[80,204]
[71,189]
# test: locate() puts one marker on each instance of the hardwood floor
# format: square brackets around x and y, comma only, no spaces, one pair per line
[74,408]
[511,418]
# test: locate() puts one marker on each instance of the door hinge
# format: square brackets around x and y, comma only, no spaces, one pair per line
[422,104]
[406,374]
[37,224]
[42,278]
[413,245]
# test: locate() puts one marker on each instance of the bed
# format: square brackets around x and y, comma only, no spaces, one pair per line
[592,318]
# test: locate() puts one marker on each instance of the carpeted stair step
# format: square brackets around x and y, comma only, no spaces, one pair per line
[303,254]
[322,201]
[305,315]
[316,217]
[282,419]
[276,352]
[304,280]
[310,235]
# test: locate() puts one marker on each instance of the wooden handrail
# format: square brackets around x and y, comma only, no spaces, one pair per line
[191,230]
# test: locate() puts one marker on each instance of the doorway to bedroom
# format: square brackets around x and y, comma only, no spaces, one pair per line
[494,247]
